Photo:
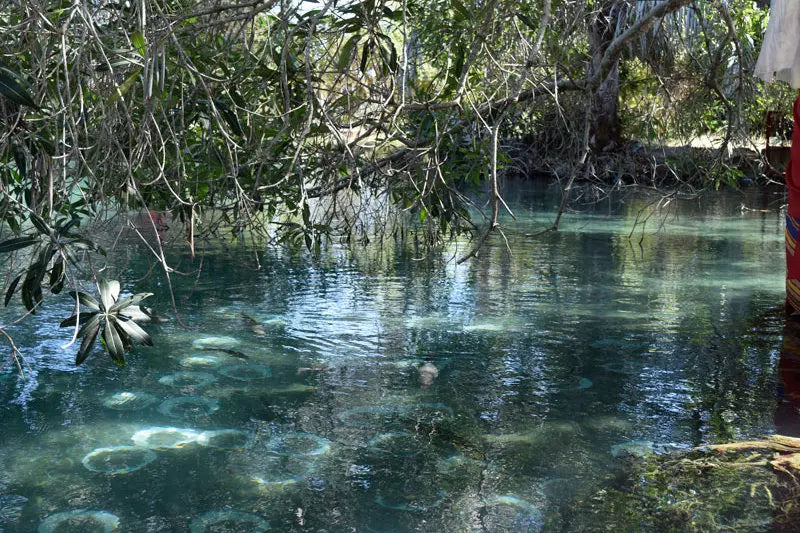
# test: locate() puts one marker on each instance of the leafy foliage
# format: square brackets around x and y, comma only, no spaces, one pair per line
[110,315]
[51,248]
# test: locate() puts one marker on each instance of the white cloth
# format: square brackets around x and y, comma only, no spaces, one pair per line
[779,59]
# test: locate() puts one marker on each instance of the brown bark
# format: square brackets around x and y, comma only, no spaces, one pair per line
[605,128]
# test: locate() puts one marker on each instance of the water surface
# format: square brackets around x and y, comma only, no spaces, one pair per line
[543,370]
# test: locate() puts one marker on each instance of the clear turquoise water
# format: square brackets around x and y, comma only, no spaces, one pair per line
[546,361]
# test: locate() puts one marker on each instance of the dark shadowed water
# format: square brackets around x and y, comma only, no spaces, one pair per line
[390,390]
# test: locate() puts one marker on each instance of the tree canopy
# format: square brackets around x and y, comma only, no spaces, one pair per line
[312,121]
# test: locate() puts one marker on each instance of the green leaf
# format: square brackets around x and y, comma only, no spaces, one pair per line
[113,342]
[364,57]
[57,276]
[11,289]
[18,243]
[40,224]
[139,42]
[461,12]
[21,161]
[85,300]
[133,300]
[86,329]
[527,21]
[135,332]
[109,292]
[15,89]
[125,86]
[71,321]
[347,53]
[89,337]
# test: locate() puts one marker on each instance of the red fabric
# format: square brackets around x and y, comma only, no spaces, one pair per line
[793,168]
[793,217]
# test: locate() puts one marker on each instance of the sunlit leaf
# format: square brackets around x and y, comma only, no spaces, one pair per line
[135,332]
[18,243]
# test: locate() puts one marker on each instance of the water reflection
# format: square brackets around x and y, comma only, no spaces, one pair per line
[377,390]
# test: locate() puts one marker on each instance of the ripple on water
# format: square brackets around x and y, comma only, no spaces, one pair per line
[80,521]
[165,438]
[229,521]
[188,406]
[11,506]
[118,459]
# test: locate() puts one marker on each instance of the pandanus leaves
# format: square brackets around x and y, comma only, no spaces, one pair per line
[108,318]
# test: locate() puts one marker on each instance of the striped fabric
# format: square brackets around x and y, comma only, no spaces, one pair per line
[792,231]
[792,263]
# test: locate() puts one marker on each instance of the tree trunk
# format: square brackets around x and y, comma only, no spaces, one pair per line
[605,127]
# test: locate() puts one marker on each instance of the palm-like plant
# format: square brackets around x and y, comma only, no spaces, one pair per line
[119,329]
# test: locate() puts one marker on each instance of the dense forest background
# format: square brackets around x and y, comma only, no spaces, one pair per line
[313,122]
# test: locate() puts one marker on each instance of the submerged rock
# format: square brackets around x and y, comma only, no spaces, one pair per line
[397,443]
[201,361]
[165,438]
[427,373]
[129,401]
[229,521]
[280,470]
[80,520]
[216,342]
[401,499]
[225,439]
[118,459]
[299,444]
[510,513]
[245,372]
[188,406]
[187,379]
[636,448]
[369,416]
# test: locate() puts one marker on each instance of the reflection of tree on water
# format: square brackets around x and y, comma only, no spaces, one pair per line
[787,412]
